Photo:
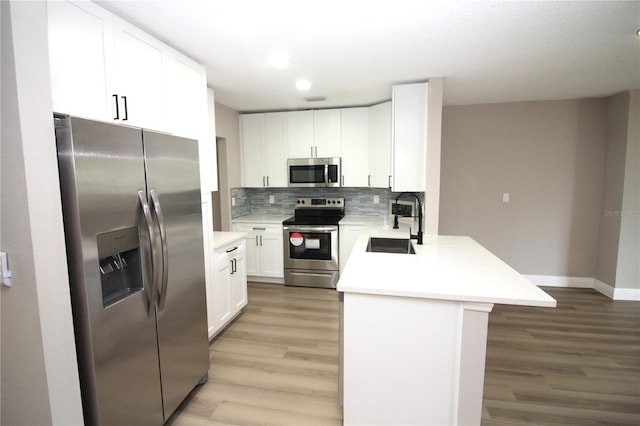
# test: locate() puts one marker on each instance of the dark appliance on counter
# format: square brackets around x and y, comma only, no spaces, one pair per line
[133,228]
[311,243]
[314,172]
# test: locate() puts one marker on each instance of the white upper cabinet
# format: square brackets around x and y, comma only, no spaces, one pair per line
[104,68]
[139,71]
[409,130]
[355,147]
[185,83]
[327,133]
[300,134]
[187,111]
[380,145]
[315,133]
[252,144]
[80,55]
[264,149]
[276,149]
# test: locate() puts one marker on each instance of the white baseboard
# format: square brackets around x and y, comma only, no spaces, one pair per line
[585,282]
[558,281]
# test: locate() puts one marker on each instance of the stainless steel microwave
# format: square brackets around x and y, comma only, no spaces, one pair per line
[314,172]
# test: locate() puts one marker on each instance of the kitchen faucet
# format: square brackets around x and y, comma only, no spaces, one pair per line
[418,236]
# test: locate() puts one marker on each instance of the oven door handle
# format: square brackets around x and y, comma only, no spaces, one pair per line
[312,274]
[312,228]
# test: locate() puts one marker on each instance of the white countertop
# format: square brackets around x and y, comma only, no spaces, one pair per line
[262,218]
[444,267]
[221,239]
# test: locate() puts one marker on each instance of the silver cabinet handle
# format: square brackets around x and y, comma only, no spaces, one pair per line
[260,240]
[155,271]
[389,181]
[259,229]
[263,181]
[256,240]
[267,180]
[369,180]
[163,244]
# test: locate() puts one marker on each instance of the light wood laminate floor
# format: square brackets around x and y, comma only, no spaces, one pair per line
[277,364]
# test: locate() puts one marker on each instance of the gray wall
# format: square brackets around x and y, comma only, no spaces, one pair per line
[619,240]
[227,127]
[549,157]
[39,371]
[628,271]
[616,150]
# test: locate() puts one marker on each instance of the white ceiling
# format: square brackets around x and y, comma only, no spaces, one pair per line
[352,51]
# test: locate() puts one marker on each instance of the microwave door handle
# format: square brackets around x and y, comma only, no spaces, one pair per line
[326,174]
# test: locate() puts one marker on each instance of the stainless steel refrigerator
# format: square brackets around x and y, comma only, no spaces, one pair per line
[133,228]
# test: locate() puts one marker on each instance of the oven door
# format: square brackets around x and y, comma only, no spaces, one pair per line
[311,247]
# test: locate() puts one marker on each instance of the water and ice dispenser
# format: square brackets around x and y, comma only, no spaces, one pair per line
[120,264]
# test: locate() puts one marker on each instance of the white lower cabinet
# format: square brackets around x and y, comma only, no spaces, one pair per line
[264,250]
[228,292]
[348,236]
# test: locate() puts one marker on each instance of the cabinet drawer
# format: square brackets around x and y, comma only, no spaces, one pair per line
[268,229]
[229,251]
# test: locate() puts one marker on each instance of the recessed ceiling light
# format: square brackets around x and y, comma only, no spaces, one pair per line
[279,59]
[303,85]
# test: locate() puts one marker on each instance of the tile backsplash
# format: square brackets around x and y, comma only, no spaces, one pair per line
[358,201]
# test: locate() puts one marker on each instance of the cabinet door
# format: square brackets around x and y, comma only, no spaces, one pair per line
[271,250]
[186,96]
[139,77]
[80,53]
[252,142]
[220,297]
[275,149]
[239,282]
[300,134]
[327,133]
[252,256]
[380,145]
[355,147]
[186,108]
[409,155]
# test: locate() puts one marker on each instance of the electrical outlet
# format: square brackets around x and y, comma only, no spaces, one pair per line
[272,199]
[376,199]
[233,201]
[505,197]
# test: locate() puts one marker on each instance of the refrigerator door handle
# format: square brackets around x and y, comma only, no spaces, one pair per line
[155,271]
[157,209]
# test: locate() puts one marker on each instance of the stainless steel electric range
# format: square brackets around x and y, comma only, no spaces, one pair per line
[311,242]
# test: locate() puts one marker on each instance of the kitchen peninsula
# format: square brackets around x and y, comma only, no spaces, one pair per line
[414,327]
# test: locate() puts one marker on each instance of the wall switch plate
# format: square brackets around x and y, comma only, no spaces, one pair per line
[505,197]
[272,199]
[376,199]
[233,201]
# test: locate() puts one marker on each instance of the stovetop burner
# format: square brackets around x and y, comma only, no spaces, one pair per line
[317,211]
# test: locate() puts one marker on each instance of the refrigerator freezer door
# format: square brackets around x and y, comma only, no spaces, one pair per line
[101,172]
[173,175]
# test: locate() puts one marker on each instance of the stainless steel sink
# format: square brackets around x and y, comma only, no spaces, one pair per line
[390,245]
